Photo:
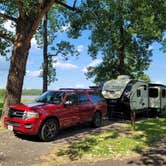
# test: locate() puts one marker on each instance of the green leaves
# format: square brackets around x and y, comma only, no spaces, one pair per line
[65,49]
[121,32]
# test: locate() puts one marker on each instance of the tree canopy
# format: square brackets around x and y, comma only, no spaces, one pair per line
[121,33]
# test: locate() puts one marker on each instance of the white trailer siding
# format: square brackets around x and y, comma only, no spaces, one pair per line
[157,97]
[139,96]
[163,98]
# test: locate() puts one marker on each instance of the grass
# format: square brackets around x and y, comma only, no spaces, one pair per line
[1,105]
[27,92]
[117,142]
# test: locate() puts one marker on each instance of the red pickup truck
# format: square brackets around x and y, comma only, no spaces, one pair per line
[55,110]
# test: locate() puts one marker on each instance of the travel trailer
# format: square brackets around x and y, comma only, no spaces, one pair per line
[125,95]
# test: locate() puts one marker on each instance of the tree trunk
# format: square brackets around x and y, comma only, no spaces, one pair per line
[122,52]
[45,56]
[18,61]
[133,116]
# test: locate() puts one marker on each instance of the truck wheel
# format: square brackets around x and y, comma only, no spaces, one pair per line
[49,130]
[97,120]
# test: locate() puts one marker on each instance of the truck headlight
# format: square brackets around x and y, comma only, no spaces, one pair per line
[30,115]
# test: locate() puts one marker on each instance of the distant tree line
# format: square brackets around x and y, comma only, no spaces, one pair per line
[26,92]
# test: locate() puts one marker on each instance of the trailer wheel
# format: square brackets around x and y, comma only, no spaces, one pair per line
[97,120]
[49,130]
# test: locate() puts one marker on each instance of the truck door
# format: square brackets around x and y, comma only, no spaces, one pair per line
[139,98]
[70,113]
[85,108]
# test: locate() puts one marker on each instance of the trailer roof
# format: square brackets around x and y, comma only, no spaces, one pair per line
[153,84]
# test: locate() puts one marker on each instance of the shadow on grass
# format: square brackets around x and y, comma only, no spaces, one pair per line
[155,156]
[155,139]
[78,148]
[148,133]
[1,105]
[154,130]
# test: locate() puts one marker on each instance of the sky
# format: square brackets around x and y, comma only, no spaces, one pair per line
[71,73]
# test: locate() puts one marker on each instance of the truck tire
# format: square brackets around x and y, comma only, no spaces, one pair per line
[97,120]
[49,130]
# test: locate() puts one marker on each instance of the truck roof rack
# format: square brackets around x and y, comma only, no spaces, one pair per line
[95,87]
[73,89]
[78,89]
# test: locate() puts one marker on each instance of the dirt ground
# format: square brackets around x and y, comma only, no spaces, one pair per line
[26,151]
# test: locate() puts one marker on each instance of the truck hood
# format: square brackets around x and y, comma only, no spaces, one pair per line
[35,105]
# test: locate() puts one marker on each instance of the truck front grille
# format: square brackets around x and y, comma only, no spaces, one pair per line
[12,113]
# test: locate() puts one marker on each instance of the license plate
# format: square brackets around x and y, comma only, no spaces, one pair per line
[10,127]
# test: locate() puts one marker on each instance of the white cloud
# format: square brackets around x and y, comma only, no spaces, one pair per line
[8,25]
[65,28]
[64,66]
[80,48]
[150,47]
[92,64]
[33,41]
[80,86]
[35,73]
[34,44]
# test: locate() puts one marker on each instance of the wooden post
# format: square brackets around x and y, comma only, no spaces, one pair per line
[133,115]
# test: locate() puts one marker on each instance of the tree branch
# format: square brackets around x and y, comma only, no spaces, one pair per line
[73,8]
[6,37]
[20,6]
[53,55]
[8,17]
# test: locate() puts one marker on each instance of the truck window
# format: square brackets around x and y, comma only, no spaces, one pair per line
[83,99]
[72,99]
[96,97]
[153,92]
[54,97]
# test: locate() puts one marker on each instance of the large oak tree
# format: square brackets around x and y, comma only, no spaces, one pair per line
[26,15]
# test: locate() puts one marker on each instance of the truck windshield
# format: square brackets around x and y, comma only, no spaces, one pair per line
[53,97]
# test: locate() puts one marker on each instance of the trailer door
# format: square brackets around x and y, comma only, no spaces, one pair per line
[154,97]
[139,98]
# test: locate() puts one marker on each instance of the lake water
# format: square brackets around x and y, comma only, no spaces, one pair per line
[29,97]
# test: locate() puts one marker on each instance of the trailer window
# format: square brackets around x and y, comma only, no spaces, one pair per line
[138,92]
[163,93]
[153,92]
